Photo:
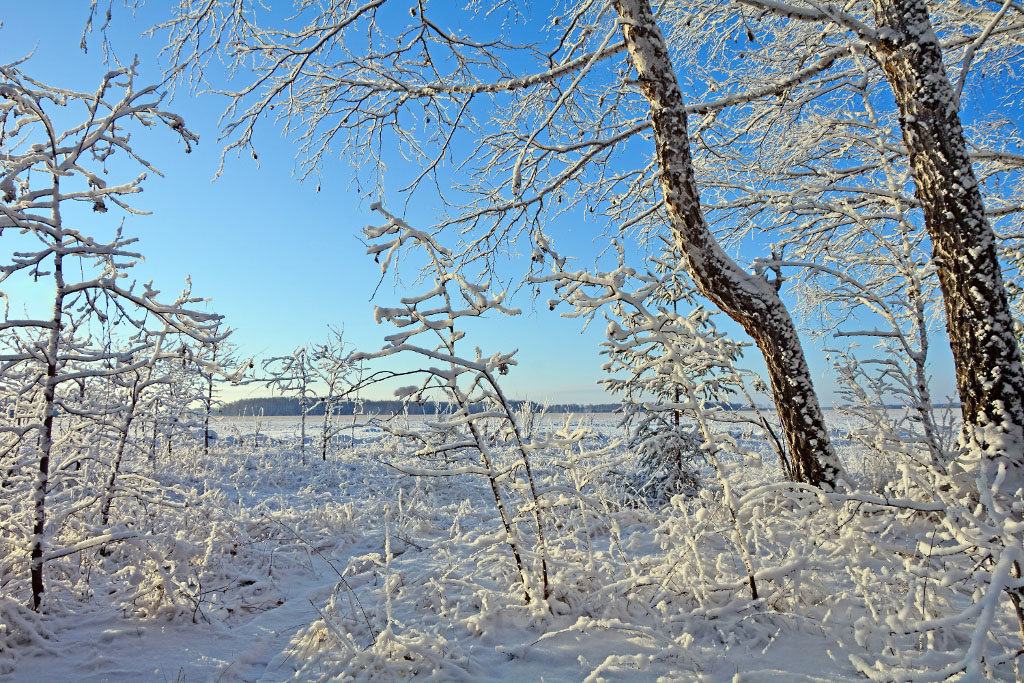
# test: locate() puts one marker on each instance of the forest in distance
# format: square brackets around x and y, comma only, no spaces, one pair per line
[281,406]
[757,180]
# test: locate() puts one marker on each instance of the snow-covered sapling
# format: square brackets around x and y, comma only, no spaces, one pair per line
[469,385]
[49,173]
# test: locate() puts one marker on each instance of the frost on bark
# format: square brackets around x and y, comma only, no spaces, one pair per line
[748,299]
[990,378]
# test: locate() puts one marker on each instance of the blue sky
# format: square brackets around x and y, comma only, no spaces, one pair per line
[280,260]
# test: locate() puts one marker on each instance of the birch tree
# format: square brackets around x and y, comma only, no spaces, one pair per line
[873,69]
[550,127]
[990,377]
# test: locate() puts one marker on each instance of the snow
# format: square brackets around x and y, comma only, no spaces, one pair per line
[352,569]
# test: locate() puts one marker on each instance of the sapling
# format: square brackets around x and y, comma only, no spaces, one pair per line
[46,172]
[470,385]
[294,374]
[658,348]
[332,367]
[214,362]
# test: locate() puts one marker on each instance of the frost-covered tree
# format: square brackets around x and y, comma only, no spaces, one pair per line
[294,375]
[675,370]
[654,352]
[130,393]
[214,362]
[429,327]
[849,239]
[53,164]
[333,367]
[990,376]
[881,90]
[647,378]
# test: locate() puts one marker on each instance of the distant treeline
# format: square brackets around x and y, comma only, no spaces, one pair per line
[280,406]
[290,406]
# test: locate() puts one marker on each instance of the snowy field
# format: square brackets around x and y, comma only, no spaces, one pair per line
[352,568]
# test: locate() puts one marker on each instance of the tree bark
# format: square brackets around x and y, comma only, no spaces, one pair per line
[989,375]
[49,408]
[748,299]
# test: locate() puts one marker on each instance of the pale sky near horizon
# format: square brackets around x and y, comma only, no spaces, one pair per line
[280,260]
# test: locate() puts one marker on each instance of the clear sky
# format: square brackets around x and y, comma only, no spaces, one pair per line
[280,260]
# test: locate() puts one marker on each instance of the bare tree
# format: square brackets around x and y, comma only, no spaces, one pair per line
[470,385]
[294,375]
[45,172]
[132,386]
[749,299]
[213,362]
[332,366]
[990,376]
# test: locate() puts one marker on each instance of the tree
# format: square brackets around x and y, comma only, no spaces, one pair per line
[990,376]
[210,360]
[904,44]
[295,375]
[852,233]
[45,172]
[668,365]
[470,386]
[566,135]
[332,367]
[132,386]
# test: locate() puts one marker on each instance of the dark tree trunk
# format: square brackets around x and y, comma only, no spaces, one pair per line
[990,378]
[46,436]
[748,299]
[208,407]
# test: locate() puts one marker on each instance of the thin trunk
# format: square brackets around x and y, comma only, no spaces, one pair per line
[1015,600]
[748,299]
[156,422]
[492,479]
[209,407]
[534,496]
[46,437]
[989,374]
[302,445]
[108,497]
[327,413]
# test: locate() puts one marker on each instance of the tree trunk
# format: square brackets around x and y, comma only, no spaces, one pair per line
[989,375]
[208,405]
[46,437]
[115,468]
[748,299]
[302,444]
[325,435]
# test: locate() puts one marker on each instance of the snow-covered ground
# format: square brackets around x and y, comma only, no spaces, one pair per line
[352,568]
